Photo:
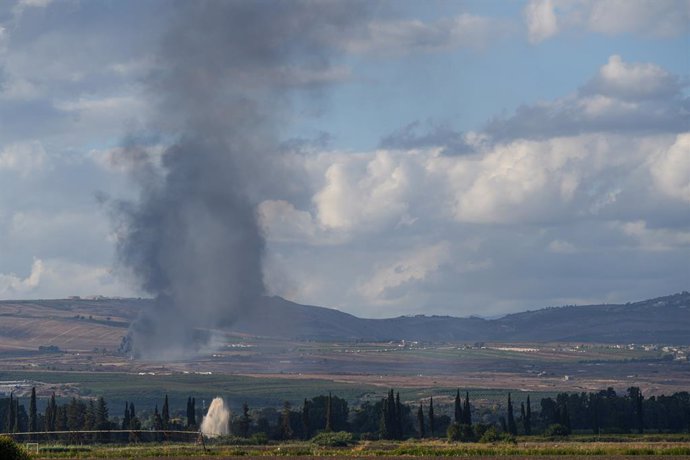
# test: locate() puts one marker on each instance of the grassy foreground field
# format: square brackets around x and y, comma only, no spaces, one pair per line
[622,447]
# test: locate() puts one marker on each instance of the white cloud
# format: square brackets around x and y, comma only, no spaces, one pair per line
[11,284]
[649,18]
[654,239]
[633,81]
[23,158]
[367,191]
[562,247]
[541,20]
[406,36]
[622,97]
[58,278]
[392,282]
[670,168]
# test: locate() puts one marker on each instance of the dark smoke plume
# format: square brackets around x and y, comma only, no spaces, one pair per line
[225,75]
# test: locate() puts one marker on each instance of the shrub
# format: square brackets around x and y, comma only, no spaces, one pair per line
[10,450]
[332,439]
[259,439]
[556,430]
[489,435]
[457,432]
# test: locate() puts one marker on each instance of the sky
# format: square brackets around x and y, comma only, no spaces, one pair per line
[452,157]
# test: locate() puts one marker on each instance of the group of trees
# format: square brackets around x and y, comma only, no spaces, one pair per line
[387,418]
[607,412]
[83,415]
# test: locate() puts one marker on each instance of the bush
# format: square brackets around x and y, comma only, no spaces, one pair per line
[10,450]
[258,439]
[491,436]
[457,432]
[556,430]
[332,439]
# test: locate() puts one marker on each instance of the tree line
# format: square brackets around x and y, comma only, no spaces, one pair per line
[387,418]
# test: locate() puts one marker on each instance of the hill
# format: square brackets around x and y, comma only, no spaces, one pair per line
[86,324]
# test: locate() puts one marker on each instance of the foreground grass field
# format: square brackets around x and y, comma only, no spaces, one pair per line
[614,447]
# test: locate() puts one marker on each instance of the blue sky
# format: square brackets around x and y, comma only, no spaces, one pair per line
[443,157]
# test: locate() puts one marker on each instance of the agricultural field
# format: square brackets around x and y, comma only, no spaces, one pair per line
[619,448]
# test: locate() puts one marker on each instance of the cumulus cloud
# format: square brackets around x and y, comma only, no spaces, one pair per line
[23,158]
[58,278]
[670,169]
[541,20]
[623,96]
[650,18]
[408,36]
[393,281]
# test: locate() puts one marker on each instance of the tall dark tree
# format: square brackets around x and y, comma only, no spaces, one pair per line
[102,422]
[165,414]
[157,419]
[285,426]
[466,410]
[458,408]
[10,417]
[329,413]
[512,427]
[306,425]
[75,415]
[245,421]
[193,412]
[398,417]
[593,406]
[637,400]
[33,415]
[420,421]
[432,421]
[89,416]
[126,418]
[528,418]
[51,414]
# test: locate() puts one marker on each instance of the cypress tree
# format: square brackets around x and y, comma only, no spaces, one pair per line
[398,418]
[420,420]
[638,412]
[9,415]
[528,418]
[594,412]
[89,416]
[157,420]
[16,428]
[432,423]
[245,421]
[306,428]
[512,428]
[126,418]
[102,414]
[165,413]
[33,416]
[285,427]
[329,413]
[390,415]
[466,410]
[132,414]
[193,411]
[458,408]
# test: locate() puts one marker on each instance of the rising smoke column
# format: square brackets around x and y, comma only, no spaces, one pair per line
[224,77]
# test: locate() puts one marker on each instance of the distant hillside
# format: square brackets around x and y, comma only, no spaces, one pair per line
[660,320]
[85,324]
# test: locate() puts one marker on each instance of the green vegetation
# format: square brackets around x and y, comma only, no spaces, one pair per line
[9,450]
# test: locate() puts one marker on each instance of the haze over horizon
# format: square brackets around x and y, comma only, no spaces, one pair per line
[456,158]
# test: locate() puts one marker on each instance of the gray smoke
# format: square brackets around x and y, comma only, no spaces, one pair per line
[226,73]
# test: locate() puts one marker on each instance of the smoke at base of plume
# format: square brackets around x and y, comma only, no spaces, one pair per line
[216,422]
[225,73]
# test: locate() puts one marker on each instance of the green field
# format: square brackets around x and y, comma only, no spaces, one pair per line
[147,390]
[578,447]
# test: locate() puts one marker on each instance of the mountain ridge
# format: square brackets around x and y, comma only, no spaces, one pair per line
[662,320]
